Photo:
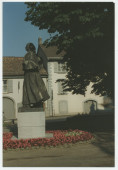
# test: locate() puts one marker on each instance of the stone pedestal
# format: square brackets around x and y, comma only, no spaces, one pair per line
[31,123]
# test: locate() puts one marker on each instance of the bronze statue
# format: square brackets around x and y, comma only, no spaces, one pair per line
[34,90]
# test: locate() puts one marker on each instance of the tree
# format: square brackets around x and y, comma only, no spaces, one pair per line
[85,31]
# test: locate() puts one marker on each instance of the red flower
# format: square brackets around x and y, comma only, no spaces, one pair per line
[59,137]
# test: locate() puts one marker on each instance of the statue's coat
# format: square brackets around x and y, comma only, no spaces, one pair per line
[34,90]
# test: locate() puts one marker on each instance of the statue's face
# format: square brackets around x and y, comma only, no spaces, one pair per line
[30,47]
[27,47]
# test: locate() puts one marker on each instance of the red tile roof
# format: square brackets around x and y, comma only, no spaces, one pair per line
[12,66]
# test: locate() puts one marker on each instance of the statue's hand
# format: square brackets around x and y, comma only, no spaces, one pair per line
[26,62]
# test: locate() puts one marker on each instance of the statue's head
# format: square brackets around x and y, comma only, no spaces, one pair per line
[30,47]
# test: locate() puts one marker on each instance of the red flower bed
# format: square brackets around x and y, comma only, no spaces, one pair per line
[7,135]
[59,137]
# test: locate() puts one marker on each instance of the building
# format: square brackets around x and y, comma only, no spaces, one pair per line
[64,103]
[60,102]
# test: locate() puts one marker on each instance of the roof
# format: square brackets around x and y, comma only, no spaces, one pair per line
[12,66]
[51,52]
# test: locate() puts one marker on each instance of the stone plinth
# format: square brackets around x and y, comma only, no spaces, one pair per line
[31,123]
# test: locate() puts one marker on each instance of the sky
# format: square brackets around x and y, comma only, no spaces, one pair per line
[17,32]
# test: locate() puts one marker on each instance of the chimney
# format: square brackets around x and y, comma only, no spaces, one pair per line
[39,41]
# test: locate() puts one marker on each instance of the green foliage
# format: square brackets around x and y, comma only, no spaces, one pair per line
[85,31]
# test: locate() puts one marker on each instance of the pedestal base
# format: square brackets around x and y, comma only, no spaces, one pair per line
[31,124]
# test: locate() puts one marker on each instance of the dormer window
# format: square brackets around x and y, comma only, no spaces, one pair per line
[59,67]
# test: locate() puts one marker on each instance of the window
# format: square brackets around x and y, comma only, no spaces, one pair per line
[59,67]
[7,86]
[63,107]
[61,89]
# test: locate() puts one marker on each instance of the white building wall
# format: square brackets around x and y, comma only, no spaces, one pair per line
[16,94]
[75,103]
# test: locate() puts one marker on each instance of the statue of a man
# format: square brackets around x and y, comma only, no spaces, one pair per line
[34,90]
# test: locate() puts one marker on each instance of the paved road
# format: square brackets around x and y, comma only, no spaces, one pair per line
[99,153]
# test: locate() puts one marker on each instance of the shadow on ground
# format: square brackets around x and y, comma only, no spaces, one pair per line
[92,123]
[84,122]
[101,126]
[105,141]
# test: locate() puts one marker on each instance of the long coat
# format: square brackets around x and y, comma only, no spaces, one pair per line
[34,90]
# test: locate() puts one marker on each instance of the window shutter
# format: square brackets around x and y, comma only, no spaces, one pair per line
[59,67]
[64,67]
[60,88]
[55,67]
[10,86]
[63,107]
